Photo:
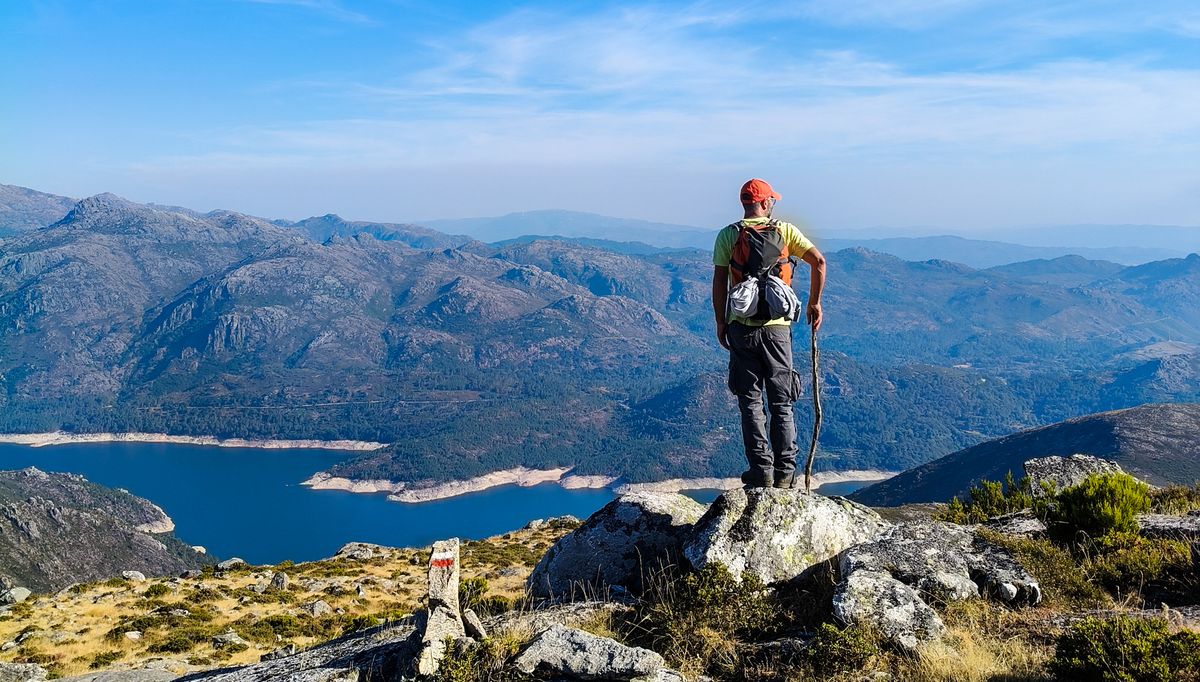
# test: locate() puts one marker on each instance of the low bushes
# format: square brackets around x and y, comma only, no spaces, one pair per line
[1063,582]
[1102,504]
[1126,561]
[1127,649]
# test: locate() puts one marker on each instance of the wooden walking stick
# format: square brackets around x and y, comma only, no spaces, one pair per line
[816,383]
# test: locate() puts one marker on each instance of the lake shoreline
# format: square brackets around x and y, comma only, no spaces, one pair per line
[399,491]
[38,440]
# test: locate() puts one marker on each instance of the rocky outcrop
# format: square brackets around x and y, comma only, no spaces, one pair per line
[889,582]
[1061,473]
[778,534]
[947,563]
[895,610]
[633,533]
[1186,527]
[580,655]
[59,529]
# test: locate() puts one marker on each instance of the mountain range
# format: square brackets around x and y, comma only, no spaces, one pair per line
[472,357]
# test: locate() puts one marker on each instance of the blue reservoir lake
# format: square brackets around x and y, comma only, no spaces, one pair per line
[248,502]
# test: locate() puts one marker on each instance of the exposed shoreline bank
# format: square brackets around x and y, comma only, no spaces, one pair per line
[38,440]
[401,492]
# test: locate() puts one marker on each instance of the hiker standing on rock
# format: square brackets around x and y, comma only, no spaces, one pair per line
[753,262]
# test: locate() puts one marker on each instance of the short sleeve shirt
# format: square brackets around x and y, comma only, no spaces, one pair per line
[796,242]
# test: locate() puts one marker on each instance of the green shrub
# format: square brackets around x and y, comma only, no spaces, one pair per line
[697,621]
[471,592]
[989,499]
[1126,649]
[156,590]
[835,651]
[105,659]
[1175,499]
[1102,504]
[1128,561]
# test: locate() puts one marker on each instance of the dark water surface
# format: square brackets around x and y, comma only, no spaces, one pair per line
[247,502]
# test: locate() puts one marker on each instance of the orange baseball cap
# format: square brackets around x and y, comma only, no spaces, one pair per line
[757,190]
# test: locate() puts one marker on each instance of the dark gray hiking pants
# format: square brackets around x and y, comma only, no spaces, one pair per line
[760,361]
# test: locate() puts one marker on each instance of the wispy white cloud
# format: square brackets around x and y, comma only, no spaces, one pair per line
[330,8]
[635,88]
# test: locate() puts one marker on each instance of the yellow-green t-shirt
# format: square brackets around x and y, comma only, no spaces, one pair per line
[797,245]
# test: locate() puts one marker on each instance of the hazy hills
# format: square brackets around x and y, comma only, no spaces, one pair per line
[1156,443]
[22,208]
[473,357]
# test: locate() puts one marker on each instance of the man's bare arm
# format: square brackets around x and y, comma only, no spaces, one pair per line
[816,285]
[720,294]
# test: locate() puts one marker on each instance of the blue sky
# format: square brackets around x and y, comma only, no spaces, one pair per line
[951,115]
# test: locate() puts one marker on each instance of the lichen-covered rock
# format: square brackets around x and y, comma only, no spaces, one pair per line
[1064,472]
[1186,527]
[362,551]
[22,672]
[886,582]
[560,650]
[778,534]
[634,532]
[228,639]
[317,608]
[895,610]
[945,562]
[1023,524]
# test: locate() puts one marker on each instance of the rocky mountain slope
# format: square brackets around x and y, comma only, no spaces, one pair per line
[58,529]
[1155,442]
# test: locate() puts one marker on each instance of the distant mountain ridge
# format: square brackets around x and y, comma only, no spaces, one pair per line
[474,357]
[22,208]
[1157,443]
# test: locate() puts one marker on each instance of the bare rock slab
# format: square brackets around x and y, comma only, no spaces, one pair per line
[382,653]
[778,534]
[636,531]
[580,655]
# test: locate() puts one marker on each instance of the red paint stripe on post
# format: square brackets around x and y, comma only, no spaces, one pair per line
[442,563]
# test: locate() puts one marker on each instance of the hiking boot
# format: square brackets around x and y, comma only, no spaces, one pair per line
[752,479]
[786,482]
